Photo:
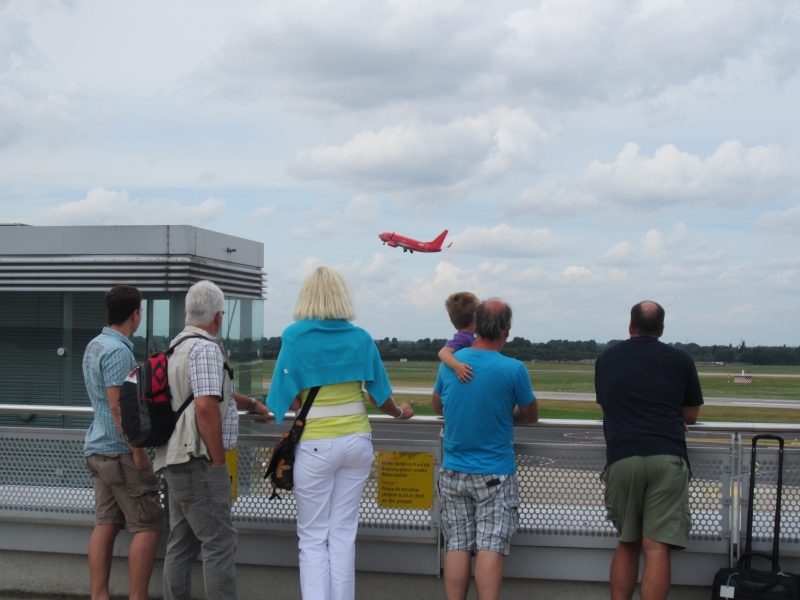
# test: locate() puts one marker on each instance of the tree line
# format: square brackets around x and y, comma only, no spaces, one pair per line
[566,350]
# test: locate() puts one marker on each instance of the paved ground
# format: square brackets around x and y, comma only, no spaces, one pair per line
[13,596]
[581,397]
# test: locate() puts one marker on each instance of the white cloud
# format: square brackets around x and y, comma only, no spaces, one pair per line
[504,241]
[365,53]
[733,176]
[576,272]
[264,213]
[402,157]
[500,267]
[655,248]
[430,293]
[623,253]
[704,258]
[299,274]
[355,53]
[381,268]
[549,200]
[16,46]
[361,213]
[780,221]
[26,107]
[109,207]
[622,50]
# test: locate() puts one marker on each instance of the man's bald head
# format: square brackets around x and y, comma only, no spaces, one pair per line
[492,319]
[647,319]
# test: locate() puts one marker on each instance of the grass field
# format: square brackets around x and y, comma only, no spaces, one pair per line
[562,377]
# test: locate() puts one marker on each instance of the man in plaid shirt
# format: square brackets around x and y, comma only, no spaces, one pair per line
[193,460]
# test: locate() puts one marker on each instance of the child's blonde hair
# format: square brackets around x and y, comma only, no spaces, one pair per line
[461,308]
[324,295]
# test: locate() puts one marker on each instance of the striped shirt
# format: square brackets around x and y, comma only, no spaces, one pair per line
[108,360]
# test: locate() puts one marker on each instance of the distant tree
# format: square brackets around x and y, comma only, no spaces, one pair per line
[564,350]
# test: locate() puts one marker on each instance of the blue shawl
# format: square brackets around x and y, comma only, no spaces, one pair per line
[323,352]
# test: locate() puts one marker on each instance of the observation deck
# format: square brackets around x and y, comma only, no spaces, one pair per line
[562,549]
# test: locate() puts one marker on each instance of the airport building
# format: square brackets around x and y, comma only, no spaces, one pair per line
[52,285]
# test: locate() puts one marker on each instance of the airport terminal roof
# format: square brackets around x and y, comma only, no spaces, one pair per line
[154,258]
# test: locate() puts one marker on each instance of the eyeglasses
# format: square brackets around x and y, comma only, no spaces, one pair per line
[222,312]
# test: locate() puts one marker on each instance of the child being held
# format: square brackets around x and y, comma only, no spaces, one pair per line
[461,307]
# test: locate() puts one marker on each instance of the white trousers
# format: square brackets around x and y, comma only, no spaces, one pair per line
[329,476]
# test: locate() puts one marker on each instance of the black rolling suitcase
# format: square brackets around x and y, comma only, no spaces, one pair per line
[744,582]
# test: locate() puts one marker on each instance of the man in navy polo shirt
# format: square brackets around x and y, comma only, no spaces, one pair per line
[649,393]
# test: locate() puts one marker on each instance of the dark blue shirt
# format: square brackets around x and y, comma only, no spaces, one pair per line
[643,385]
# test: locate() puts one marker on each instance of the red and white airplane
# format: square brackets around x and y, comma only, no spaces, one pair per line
[411,245]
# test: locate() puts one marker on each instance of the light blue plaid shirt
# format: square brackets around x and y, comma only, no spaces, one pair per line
[108,360]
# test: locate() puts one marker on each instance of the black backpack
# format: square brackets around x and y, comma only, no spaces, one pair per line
[145,401]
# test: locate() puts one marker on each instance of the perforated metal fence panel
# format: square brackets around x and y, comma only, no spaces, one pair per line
[43,478]
[562,502]
[710,499]
[765,495]
[254,509]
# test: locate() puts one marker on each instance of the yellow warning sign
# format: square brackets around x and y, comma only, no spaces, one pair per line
[405,480]
[232,458]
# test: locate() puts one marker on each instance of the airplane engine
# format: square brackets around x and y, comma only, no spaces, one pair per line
[391,244]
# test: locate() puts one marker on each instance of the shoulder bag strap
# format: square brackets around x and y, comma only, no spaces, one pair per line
[300,420]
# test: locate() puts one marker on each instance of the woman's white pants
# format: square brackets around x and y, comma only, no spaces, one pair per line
[329,476]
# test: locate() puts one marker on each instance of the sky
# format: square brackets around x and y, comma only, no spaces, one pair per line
[583,154]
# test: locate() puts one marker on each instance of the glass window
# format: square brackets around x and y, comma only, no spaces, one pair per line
[139,338]
[160,337]
[242,329]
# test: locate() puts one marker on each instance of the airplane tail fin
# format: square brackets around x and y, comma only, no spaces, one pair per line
[437,243]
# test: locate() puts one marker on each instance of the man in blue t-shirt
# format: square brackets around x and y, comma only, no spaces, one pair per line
[649,393]
[478,480]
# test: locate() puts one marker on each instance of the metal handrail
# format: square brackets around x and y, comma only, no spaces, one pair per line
[87,411]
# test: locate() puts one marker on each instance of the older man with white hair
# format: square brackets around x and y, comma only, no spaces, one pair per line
[193,459]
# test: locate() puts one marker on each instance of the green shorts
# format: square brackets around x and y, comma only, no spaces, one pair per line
[648,496]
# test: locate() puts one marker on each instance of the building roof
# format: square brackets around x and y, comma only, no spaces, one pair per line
[154,258]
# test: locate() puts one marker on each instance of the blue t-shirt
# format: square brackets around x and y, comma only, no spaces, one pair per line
[107,361]
[479,429]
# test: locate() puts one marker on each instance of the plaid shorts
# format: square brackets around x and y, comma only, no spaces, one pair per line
[479,512]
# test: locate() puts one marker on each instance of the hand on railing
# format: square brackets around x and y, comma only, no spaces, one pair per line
[406,412]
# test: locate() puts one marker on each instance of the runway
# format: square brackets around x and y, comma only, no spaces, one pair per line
[404,431]
[578,397]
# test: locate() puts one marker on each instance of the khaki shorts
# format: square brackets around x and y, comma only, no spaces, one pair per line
[124,495]
[648,496]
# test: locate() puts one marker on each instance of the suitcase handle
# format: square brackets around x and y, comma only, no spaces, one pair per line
[777,529]
[776,568]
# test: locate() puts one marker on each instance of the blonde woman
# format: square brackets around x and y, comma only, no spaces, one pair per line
[334,456]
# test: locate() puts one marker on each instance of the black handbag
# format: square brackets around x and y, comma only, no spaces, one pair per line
[747,583]
[279,470]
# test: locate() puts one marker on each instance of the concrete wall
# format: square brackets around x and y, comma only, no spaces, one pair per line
[49,574]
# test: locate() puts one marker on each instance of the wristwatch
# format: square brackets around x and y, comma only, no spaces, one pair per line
[252,406]
[401,412]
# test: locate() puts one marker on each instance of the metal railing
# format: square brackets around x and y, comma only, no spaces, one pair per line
[43,480]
